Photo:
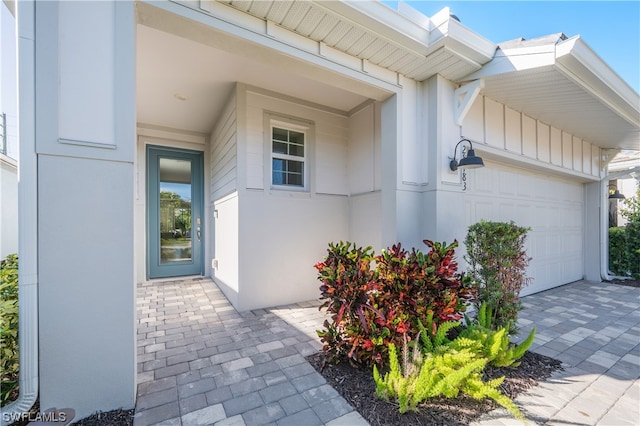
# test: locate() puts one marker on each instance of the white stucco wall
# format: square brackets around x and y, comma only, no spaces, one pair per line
[267,240]
[85,144]
[364,162]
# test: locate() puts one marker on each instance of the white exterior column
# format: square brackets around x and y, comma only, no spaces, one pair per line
[444,214]
[85,145]
[403,168]
[389,169]
[596,243]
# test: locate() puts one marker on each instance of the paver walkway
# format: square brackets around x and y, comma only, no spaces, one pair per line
[200,362]
[594,329]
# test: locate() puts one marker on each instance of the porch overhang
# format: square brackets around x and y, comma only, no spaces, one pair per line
[405,42]
[562,82]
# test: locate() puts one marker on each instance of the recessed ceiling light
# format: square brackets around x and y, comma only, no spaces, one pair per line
[180,96]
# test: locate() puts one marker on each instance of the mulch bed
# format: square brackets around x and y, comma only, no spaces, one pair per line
[111,418]
[357,387]
[628,283]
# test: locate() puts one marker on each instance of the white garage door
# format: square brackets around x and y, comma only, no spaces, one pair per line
[551,206]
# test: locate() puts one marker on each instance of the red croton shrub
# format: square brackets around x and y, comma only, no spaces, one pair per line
[374,300]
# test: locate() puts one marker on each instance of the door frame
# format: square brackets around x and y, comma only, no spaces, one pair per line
[154,268]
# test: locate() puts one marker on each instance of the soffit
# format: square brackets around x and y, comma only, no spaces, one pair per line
[569,90]
[379,36]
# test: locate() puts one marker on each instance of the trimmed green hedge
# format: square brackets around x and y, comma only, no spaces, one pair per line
[9,358]
[624,242]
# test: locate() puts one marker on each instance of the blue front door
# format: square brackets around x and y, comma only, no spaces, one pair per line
[174,212]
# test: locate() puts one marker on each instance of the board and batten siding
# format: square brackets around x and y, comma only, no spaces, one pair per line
[498,126]
[223,149]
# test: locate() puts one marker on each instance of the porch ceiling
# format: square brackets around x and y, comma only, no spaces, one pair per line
[562,82]
[186,72]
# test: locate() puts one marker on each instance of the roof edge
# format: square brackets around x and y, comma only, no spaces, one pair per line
[588,69]
[406,28]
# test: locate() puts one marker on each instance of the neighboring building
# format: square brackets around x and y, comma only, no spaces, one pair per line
[8,134]
[625,168]
[236,139]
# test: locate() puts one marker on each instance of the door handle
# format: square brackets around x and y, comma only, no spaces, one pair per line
[198,228]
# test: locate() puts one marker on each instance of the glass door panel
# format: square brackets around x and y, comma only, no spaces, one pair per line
[174,211]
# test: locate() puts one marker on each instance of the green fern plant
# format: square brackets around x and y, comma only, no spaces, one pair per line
[493,344]
[446,372]
[434,336]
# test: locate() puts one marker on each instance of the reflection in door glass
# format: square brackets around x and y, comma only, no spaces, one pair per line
[175,211]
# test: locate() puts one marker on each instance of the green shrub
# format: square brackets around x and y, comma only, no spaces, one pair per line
[497,264]
[631,211]
[373,306]
[447,372]
[8,328]
[618,256]
[493,344]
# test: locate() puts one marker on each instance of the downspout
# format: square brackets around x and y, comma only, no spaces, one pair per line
[604,230]
[28,213]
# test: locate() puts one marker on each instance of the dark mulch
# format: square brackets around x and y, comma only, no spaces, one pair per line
[109,418]
[356,385]
[628,283]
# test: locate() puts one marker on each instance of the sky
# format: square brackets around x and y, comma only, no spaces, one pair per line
[610,28]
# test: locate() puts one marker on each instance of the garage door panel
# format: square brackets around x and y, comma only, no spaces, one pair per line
[507,184]
[552,207]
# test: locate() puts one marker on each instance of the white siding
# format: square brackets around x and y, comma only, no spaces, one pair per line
[225,219]
[223,149]
[556,146]
[513,131]
[494,123]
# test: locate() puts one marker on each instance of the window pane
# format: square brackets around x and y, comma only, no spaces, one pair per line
[278,178]
[296,137]
[279,147]
[297,150]
[294,166]
[280,134]
[294,179]
[278,165]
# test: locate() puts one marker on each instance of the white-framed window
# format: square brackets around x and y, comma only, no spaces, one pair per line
[289,156]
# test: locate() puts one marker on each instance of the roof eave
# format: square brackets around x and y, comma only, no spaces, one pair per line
[578,62]
[416,32]
[579,66]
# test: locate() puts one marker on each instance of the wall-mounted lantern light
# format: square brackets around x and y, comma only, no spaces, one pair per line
[615,195]
[468,161]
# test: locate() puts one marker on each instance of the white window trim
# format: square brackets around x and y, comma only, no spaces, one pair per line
[297,126]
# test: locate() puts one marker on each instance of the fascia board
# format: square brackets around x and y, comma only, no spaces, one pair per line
[406,32]
[476,43]
[382,20]
[582,65]
[504,63]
